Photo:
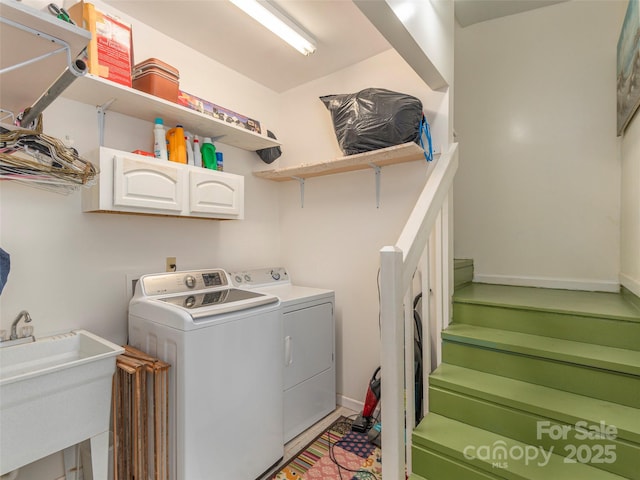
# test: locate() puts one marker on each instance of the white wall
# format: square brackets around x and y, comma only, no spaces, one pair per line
[430,24]
[537,195]
[334,241]
[630,208]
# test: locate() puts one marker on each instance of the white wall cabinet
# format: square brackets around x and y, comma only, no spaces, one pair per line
[131,183]
[215,193]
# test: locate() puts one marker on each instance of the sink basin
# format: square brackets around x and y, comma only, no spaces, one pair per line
[54,393]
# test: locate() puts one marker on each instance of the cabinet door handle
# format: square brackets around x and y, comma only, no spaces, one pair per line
[288,351]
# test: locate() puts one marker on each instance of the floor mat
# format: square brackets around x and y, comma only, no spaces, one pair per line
[337,453]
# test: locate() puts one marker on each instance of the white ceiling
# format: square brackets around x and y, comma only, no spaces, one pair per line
[343,34]
[469,12]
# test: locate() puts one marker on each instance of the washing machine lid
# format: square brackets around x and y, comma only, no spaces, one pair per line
[199,294]
[207,303]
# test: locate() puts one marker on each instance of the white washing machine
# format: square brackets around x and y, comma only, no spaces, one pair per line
[309,345]
[225,347]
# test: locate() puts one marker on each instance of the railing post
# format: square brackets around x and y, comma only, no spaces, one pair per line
[437,323]
[409,374]
[427,333]
[447,232]
[392,363]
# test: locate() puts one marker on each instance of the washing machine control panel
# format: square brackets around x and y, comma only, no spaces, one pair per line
[176,282]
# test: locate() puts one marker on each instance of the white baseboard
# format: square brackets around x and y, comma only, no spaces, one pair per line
[630,284]
[349,403]
[547,282]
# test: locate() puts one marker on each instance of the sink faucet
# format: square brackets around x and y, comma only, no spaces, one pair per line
[14,326]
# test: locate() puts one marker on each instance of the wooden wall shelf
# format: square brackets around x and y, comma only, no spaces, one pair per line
[376,159]
[406,152]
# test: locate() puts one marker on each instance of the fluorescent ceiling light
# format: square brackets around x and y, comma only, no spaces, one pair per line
[266,13]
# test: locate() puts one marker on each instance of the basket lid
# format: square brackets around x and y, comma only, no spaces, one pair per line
[154,63]
[156,73]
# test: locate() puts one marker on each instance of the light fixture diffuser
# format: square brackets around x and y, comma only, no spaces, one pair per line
[269,16]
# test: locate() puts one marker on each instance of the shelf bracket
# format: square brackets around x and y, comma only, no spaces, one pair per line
[378,171]
[301,182]
[102,111]
[74,69]
[5,114]
[64,46]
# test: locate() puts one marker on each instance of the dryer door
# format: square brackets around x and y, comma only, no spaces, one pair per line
[308,341]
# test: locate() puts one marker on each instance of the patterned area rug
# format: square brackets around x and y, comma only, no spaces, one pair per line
[357,458]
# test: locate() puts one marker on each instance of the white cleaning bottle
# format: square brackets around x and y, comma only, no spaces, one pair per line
[197,154]
[159,140]
[187,141]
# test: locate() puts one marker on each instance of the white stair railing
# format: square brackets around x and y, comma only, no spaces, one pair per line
[426,242]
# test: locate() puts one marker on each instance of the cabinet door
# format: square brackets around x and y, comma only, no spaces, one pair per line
[215,194]
[146,184]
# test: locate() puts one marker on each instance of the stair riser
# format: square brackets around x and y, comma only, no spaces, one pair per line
[523,426]
[631,298]
[592,382]
[462,276]
[438,467]
[600,331]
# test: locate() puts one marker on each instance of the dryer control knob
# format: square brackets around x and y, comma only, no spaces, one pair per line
[190,281]
[238,278]
[275,275]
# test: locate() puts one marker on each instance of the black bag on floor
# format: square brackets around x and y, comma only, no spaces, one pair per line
[374,118]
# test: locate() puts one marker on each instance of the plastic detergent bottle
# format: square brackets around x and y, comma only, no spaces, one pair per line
[187,141]
[208,151]
[177,145]
[219,161]
[197,155]
[159,140]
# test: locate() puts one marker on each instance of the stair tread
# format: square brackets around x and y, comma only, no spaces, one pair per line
[558,405]
[453,438]
[598,356]
[415,476]
[594,304]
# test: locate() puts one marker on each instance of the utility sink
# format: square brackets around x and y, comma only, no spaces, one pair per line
[54,393]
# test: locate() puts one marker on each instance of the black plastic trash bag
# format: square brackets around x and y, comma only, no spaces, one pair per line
[374,118]
[268,155]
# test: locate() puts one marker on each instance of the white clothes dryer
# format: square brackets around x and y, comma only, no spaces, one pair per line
[225,347]
[309,345]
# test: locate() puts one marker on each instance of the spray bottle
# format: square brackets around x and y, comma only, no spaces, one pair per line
[208,151]
[177,145]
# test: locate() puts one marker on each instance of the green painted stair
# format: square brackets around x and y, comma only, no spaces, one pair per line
[443,446]
[538,415]
[529,367]
[591,317]
[606,373]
